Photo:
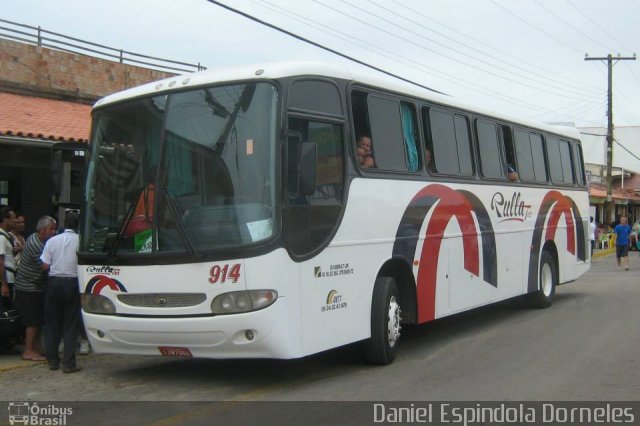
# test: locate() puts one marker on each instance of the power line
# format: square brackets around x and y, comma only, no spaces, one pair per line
[579,31]
[519,82]
[535,27]
[313,43]
[595,24]
[530,70]
[412,63]
[551,75]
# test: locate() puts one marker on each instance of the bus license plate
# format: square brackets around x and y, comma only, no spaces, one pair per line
[174,351]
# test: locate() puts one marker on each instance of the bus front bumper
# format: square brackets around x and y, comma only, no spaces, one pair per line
[261,334]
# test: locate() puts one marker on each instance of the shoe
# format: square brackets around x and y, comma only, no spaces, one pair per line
[84,348]
[71,370]
[34,358]
[54,367]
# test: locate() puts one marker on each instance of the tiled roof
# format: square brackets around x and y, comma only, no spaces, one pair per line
[600,191]
[40,118]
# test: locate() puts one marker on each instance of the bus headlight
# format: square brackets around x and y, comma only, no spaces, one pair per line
[96,304]
[243,301]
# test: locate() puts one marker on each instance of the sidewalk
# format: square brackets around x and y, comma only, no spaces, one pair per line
[13,362]
[600,253]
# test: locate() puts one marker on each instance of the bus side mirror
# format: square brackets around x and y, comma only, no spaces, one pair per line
[308,165]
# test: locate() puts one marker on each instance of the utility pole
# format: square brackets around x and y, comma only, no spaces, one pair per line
[611,61]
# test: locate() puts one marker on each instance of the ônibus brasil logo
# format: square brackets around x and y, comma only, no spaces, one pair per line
[30,413]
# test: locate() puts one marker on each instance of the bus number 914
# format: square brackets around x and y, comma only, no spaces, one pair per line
[220,275]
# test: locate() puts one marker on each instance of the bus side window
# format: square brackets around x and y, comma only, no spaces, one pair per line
[312,218]
[555,164]
[410,135]
[450,142]
[488,145]
[566,161]
[578,161]
[523,152]
[537,152]
[509,153]
[389,149]
[530,155]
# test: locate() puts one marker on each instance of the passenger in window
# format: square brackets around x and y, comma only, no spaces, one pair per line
[364,152]
[428,160]
[512,175]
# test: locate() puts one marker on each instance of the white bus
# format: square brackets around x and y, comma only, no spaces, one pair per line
[227,213]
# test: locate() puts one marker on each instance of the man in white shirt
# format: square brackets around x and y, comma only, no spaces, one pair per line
[7,262]
[592,235]
[62,300]
[7,268]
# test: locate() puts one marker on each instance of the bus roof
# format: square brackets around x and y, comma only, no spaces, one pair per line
[356,73]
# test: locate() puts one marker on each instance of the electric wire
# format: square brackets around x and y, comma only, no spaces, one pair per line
[519,82]
[412,63]
[546,34]
[313,43]
[550,75]
[532,70]
[595,24]
[570,25]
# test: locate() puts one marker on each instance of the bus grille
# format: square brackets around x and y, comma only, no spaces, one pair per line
[162,300]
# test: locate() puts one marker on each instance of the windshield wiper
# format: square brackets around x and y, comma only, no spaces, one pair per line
[173,209]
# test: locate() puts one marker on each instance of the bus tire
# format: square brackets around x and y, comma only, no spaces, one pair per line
[385,322]
[547,282]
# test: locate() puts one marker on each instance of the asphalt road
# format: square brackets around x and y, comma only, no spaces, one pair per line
[585,347]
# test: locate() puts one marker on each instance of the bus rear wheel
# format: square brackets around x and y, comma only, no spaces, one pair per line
[385,322]
[547,282]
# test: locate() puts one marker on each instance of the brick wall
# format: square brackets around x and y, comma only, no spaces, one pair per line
[29,68]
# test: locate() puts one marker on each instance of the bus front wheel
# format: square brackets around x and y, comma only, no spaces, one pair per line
[547,282]
[385,322]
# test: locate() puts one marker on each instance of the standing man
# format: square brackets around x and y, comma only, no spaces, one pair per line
[30,288]
[62,299]
[622,231]
[7,268]
[592,235]
[7,262]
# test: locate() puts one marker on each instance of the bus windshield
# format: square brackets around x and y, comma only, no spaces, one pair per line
[182,172]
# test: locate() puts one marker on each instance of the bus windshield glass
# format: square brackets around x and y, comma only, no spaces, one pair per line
[188,172]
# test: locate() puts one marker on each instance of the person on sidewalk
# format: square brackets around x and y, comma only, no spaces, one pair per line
[592,235]
[7,261]
[30,288]
[62,299]
[622,231]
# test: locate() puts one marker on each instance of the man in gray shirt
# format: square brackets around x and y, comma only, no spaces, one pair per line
[30,288]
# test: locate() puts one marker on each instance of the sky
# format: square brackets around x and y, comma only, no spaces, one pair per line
[521,57]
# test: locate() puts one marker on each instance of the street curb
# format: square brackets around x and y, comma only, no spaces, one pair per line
[15,365]
[603,253]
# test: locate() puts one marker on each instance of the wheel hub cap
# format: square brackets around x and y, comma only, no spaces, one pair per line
[394,322]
